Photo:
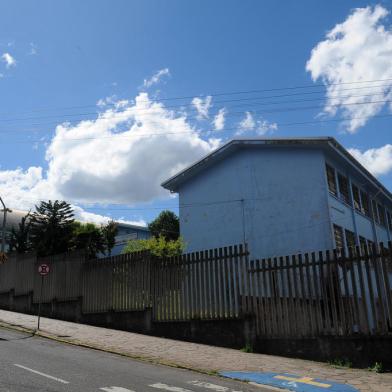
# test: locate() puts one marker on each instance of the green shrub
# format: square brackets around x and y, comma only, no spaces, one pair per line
[157,246]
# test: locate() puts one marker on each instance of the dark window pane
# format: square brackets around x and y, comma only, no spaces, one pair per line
[381,214]
[357,201]
[350,239]
[389,220]
[338,234]
[374,211]
[331,180]
[343,188]
[363,244]
[365,203]
[370,246]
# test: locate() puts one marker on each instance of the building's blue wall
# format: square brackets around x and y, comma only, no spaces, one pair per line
[284,208]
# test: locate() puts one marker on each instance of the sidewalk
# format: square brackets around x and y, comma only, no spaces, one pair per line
[191,355]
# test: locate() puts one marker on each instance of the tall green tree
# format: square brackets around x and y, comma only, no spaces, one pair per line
[90,238]
[20,238]
[52,227]
[166,225]
[109,232]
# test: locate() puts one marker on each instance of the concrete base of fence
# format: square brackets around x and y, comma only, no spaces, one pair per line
[360,351]
[133,321]
[233,333]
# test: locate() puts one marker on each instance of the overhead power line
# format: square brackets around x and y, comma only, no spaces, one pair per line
[210,131]
[242,113]
[231,93]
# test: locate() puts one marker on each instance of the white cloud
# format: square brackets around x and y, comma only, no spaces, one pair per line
[121,156]
[202,106]
[261,126]
[86,216]
[219,120]
[359,49]
[156,77]
[377,160]
[248,123]
[8,60]
[33,49]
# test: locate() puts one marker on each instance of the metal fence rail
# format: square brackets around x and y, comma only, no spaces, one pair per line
[325,293]
[305,295]
[117,283]
[203,285]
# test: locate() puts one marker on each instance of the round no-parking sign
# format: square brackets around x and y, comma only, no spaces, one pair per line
[43,269]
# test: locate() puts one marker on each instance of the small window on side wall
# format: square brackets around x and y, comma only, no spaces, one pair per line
[389,217]
[338,234]
[365,204]
[356,198]
[343,188]
[381,214]
[375,211]
[363,244]
[331,180]
[350,239]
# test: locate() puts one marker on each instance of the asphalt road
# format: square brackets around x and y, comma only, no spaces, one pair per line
[31,364]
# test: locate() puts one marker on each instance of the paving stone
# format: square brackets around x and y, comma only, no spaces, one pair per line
[198,356]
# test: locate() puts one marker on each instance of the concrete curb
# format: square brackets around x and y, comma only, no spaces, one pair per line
[155,361]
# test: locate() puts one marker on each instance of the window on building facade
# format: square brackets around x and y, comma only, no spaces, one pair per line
[389,217]
[350,239]
[370,246]
[331,180]
[363,244]
[374,211]
[365,204]
[381,214]
[343,188]
[356,198]
[338,234]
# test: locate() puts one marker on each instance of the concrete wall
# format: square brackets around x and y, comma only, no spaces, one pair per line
[284,208]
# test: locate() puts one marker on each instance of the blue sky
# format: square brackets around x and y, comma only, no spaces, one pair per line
[95,61]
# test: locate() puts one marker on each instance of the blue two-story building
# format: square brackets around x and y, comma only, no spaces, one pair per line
[281,196]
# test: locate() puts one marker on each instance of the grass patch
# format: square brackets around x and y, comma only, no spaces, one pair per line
[341,362]
[377,368]
[247,349]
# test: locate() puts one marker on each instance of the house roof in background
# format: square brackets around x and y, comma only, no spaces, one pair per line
[324,142]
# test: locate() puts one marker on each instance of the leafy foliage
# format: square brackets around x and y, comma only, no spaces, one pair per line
[20,237]
[109,233]
[88,237]
[167,225]
[157,246]
[52,227]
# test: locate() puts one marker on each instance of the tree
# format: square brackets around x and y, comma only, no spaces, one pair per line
[52,227]
[20,238]
[109,232]
[167,225]
[88,237]
[157,246]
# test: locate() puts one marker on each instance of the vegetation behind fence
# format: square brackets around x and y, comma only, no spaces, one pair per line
[306,295]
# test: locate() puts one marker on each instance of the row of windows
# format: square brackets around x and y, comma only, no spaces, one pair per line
[348,240]
[360,198]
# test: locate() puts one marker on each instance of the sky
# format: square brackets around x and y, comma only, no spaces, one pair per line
[101,101]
